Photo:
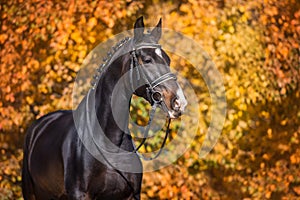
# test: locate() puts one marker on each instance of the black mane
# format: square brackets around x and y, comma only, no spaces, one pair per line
[106,61]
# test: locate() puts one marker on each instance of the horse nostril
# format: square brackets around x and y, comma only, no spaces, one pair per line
[176,104]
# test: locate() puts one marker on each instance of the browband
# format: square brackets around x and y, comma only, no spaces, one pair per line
[146,45]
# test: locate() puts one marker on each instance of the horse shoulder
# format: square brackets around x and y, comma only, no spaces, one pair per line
[44,145]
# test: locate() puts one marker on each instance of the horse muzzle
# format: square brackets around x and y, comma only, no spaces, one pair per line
[178,105]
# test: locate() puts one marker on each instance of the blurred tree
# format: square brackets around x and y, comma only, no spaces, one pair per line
[42,45]
[254,44]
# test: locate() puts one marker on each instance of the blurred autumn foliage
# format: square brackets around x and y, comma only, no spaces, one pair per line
[254,44]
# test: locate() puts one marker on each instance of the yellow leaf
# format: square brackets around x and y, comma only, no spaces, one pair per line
[29,100]
[92,23]
[283,122]
[297,190]
[3,37]
[76,37]
[231,29]
[92,39]
[269,133]
[294,159]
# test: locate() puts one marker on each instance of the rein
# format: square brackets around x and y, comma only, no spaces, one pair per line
[152,94]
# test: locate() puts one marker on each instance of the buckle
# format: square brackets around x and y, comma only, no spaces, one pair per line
[156,97]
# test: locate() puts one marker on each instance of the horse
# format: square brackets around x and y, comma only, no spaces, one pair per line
[59,164]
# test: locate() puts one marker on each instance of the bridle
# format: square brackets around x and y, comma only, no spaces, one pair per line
[153,95]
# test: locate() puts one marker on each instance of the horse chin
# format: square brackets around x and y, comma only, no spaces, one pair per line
[174,114]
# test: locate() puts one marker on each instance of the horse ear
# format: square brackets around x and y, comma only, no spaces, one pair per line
[156,32]
[139,28]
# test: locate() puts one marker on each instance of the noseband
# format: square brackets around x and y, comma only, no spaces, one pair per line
[153,95]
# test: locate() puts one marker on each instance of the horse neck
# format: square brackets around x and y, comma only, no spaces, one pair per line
[113,111]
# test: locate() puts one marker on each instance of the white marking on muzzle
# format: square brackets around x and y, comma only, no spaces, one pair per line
[182,99]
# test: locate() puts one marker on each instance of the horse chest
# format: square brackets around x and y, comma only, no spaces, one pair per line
[93,178]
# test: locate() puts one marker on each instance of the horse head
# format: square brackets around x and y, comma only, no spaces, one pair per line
[150,67]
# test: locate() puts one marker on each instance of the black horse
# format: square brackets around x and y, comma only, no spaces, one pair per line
[62,155]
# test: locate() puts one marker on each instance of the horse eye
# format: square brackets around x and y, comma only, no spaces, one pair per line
[148,60]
